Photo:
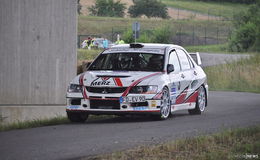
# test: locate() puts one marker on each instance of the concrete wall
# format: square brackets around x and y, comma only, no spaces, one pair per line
[38,40]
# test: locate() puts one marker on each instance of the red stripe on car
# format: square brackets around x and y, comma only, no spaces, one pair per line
[81,79]
[137,82]
[180,99]
[118,82]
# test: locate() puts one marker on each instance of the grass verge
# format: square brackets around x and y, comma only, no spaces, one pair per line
[34,123]
[242,76]
[212,8]
[230,144]
[46,122]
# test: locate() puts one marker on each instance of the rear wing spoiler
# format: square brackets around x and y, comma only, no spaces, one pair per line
[196,57]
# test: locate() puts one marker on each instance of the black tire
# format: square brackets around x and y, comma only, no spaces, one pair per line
[77,116]
[165,110]
[200,102]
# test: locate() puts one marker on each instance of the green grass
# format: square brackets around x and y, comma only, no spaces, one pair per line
[228,145]
[212,8]
[242,76]
[105,26]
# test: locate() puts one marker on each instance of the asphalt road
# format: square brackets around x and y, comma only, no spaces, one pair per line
[210,59]
[72,141]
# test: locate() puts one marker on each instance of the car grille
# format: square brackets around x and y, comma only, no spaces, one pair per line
[106,90]
[104,104]
[75,102]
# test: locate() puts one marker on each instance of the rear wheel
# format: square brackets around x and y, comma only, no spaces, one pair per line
[200,103]
[77,116]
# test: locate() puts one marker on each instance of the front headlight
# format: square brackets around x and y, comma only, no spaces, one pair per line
[144,90]
[75,88]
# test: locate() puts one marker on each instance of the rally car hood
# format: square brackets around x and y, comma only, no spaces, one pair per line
[114,78]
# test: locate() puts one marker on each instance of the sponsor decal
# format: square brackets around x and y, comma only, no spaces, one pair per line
[140,108]
[107,81]
[153,103]
[100,82]
[173,93]
[73,107]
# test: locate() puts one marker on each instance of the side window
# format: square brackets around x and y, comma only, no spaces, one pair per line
[173,59]
[185,64]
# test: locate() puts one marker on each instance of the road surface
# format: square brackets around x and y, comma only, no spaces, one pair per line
[72,141]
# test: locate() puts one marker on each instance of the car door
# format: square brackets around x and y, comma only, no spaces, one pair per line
[186,76]
[175,77]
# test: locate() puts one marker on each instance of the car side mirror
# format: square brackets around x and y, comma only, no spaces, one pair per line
[170,68]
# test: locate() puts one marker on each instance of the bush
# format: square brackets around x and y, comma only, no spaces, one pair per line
[246,35]
[128,36]
[149,8]
[162,35]
[158,35]
[107,8]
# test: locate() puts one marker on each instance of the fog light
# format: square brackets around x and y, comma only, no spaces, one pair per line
[124,106]
[85,106]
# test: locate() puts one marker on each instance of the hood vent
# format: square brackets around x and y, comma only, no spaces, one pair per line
[113,76]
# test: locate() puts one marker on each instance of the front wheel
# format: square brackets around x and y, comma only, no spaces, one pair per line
[200,103]
[77,116]
[165,104]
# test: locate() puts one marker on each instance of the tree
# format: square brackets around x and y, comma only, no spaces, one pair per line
[107,8]
[149,8]
[246,35]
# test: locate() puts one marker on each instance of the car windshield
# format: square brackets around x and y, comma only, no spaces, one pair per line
[129,62]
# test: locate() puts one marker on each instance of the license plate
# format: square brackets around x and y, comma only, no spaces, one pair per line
[133,99]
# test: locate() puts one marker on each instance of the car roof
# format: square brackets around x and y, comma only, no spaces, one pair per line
[146,47]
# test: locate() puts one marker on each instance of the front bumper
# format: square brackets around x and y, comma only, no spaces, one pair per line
[112,106]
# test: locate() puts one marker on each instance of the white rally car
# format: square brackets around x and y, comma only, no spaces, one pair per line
[155,79]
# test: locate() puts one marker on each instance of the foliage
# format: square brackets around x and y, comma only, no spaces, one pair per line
[246,35]
[149,8]
[128,36]
[158,35]
[107,8]
[162,35]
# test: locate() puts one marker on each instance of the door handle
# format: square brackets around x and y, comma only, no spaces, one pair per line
[182,76]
